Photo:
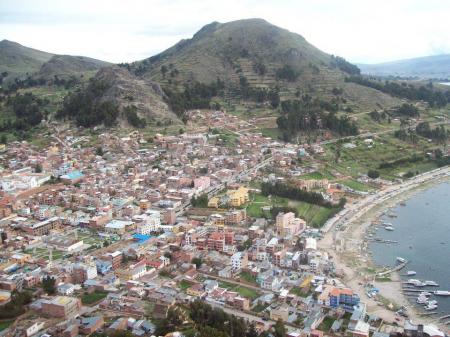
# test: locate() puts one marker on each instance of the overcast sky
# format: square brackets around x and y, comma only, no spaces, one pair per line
[128,30]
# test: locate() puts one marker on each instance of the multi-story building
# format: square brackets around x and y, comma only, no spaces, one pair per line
[43,227]
[288,224]
[238,197]
[62,307]
[239,260]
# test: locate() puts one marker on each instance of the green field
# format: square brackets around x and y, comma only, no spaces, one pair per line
[357,161]
[184,285]
[314,215]
[90,298]
[248,277]
[5,324]
[243,291]
[355,185]
[316,175]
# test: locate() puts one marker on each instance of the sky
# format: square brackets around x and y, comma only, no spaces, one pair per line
[362,31]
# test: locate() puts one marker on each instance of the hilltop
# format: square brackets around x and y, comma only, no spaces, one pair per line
[19,60]
[67,65]
[428,67]
[263,56]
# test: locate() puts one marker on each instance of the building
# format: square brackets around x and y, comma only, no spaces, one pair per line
[132,272]
[43,227]
[239,260]
[281,312]
[61,307]
[343,297]
[238,197]
[288,224]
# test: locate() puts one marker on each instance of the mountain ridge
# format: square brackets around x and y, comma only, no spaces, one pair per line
[428,67]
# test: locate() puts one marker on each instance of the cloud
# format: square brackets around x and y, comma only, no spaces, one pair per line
[118,31]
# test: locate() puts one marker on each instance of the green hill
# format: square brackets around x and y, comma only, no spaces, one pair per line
[67,65]
[19,60]
[265,55]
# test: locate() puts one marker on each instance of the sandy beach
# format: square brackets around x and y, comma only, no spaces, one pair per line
[345,241]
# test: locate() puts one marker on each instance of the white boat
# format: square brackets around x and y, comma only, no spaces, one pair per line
[431,307]
[400,259]
[442,292]
[432,302]
[422,299]
[411,273]
[431,283]
[425,293]
[389,228]
[416,283]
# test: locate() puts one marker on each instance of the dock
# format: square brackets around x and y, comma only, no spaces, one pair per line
[396,268]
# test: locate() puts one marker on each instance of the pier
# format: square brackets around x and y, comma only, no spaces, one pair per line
[396,268]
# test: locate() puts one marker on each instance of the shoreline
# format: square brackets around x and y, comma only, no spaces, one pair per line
[345,241]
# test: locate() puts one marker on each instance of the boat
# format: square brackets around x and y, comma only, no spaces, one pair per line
[425,293]
[400,259]
[422,299]
[411,273]
[431,307]
[432,302]
[431,283]
[416,283]
[442,292]
[389,228]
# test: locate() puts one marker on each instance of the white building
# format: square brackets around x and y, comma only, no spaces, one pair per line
[239,260]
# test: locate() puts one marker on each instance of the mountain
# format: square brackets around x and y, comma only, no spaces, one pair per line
[437,66]
[67,65]
[19,60]
[264,56]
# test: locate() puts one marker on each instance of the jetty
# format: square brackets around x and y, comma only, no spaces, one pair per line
[394,269]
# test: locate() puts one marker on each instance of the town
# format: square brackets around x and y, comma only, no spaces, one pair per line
[104,233]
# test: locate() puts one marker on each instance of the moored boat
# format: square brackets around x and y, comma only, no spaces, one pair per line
[442,292]
[411,273]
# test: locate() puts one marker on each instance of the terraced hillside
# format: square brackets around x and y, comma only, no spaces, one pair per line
[258,51]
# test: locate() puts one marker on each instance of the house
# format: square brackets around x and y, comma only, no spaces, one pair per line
[89,325]
[280,312]
[65,289]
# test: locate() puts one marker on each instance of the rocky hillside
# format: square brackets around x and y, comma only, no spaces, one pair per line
[265,56]
[114,95]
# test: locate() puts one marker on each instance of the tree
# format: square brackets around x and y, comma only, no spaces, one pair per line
[251,332]
[3,139]
[99,151]
[373,174]
[48,284]
[197,261]
[38,168]
[279,330]
[164,70]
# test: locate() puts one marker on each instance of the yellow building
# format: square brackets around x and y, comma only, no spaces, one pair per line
[213,202]
[238,197]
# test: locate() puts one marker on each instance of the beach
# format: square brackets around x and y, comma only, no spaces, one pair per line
[344,240]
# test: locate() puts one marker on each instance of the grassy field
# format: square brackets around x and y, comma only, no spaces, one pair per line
[313,215]
[273,133]
[93,297]
[184,285]
[326,324]
[243,291]
[355,185]
[357,161]
[248,277]
[316,175]
[5,324]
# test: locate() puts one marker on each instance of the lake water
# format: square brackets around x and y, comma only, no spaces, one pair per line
[422,229]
